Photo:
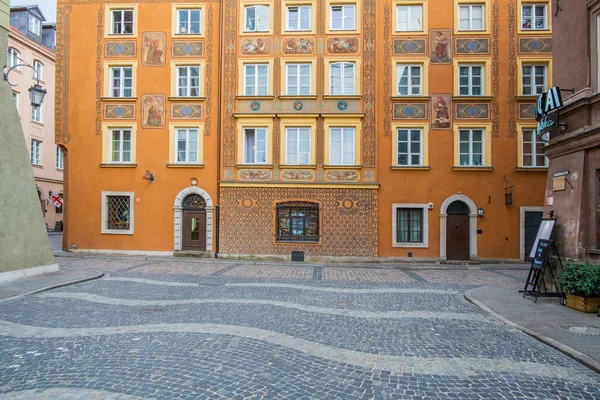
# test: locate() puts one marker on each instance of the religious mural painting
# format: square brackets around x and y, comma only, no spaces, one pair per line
[441,111]
[256,46]
[441,46]
[298,46]
[153,111]
[154,45]
[343,45]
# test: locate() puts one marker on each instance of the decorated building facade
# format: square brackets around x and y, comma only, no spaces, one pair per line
[343,129]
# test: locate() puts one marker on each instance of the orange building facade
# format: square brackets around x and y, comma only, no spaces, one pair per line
[343,129]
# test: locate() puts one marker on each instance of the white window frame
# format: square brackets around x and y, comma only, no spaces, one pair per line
[256,151]
[121,87]
[470,8]
[188,87]
[60,158]
[470,85]
[256,84]
[471,146]
[36,152]
[533,17]
[122,24]
[409,153]
[410,9]
[342,88]
[409,86]
[120,150]
[343,142]
[188,146]
[38,69]
[298,153]
[300,8]
[16,99]
[258,19]
[424,226]
[36,114]
[13,58]
[342,8]
[104,214]
[299,76]
[35,25]
[189,21]
[533,87]
[535,139]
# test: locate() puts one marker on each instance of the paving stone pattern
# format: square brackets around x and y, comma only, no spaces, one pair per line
[178,330]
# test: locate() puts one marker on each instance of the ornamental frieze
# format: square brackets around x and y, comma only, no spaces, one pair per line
[410,46]
[119,111]
[472,111]
[473,46]
[120,49]
[526,111]
[194,48]
[535,45]
[343,45]
[297,175]
[342,176]
[254,175]
[256,46]
[298,46]
[410,111]
[186,111]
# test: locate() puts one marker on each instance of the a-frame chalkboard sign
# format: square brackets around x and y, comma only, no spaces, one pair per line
[542,259]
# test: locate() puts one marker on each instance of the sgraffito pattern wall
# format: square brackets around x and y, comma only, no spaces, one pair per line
[348,221]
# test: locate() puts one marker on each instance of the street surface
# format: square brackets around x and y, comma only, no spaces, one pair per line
[153,329]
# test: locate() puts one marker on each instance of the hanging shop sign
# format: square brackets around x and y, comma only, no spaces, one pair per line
[546,112]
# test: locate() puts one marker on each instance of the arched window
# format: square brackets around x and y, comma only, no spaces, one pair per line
[298,222]
[13,57]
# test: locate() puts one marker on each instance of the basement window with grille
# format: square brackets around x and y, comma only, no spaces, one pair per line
[298,222]
[117,213]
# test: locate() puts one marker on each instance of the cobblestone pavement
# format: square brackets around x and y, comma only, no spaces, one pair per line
[168,329]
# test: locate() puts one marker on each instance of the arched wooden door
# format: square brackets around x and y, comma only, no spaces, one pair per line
[457,231]
[194,223]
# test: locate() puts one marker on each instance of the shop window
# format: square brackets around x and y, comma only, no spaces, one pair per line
[298,222]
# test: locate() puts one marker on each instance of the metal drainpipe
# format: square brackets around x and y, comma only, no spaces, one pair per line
[220,68]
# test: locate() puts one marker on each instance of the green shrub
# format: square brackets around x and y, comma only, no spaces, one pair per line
[580,279]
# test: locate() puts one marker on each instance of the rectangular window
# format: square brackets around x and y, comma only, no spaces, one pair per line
[470,80]
[343,17]
[36,152]
[188,81]
[122,22]
[299,18]
[117,213]
[343,78]
[37,70]
[255,145]
[409,225]
[60,158]
[35,25]
[470,17]
[409,18]
[297,146]
[298,79]
[533,149]
[410,147]
[36,113]
[533,79]
[409,78]
[189,22]
[342,146]
[16,99]
[256,80]
[298,222]
[187,146]
[120,145]
[13,58]
[471,147]
[257,19]
[534,17]
[121,81]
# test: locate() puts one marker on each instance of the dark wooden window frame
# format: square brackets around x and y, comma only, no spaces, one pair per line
[400,224]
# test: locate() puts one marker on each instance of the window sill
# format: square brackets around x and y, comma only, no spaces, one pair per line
[245,97]
[472,32]
[115,165]
[119,99]
[297,242]
[177,98]
[410,168]
[299,32]
[546,31]
[412,97]
[182,165]
[473,98]
[300,166]
[187,35]
[532,169]
[408,245]
[37,166]
[330,166]
[342,96]
[117,232]
[594,251]
[472,168]
[298,97]
[530,97]
[37,123]
[254,166]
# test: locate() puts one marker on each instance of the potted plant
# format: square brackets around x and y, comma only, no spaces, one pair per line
[581,282]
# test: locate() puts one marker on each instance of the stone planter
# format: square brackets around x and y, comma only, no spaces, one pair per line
[585,304]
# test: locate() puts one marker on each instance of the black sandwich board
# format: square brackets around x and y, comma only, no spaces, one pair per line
[541,260]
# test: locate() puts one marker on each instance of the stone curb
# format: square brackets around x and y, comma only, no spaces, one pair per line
[578,356]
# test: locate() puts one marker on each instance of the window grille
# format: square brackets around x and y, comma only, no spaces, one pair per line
[409,225]
[194,201]
[118,216]
[298,222]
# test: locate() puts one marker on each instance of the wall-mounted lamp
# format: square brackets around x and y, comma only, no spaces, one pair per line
[36,92]
[480,212]
[149,176]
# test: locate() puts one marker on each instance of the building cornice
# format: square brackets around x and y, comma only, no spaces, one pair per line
[18,36]
[581,139]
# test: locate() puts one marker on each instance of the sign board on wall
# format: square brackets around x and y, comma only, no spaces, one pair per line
[558,183]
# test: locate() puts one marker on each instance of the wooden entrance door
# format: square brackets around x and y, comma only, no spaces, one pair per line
[457,237]
[194,230]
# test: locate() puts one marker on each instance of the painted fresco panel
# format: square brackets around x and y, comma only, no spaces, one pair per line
[440,46]
[153,111]
[154,45]
[441,111]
